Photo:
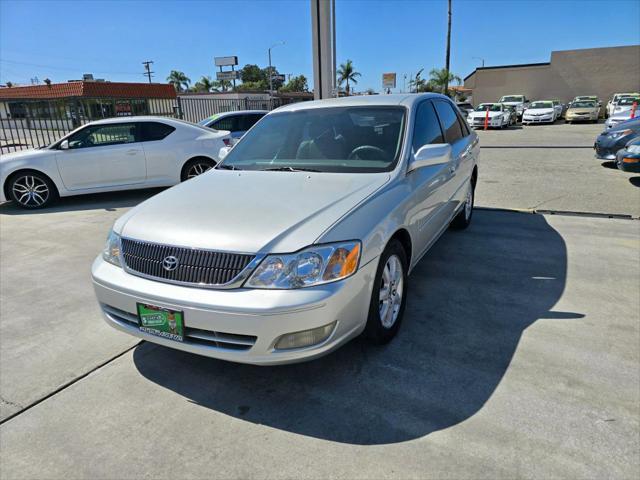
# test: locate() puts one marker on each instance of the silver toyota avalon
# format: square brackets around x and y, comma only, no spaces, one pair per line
[302,237]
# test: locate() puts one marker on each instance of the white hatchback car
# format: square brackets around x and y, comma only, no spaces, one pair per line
[107,155]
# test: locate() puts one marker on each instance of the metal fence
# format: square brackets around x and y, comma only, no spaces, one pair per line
[37,123]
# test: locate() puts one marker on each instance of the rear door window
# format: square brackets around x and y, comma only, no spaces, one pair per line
[153,131]
[449,121]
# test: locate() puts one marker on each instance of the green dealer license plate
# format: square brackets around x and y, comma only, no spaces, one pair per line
[162,322]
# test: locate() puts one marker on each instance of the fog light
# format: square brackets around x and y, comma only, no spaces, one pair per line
[305,338]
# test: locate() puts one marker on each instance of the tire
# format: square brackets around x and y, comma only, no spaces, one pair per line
[384,319]
[32,190]
[463,219]
[196,166]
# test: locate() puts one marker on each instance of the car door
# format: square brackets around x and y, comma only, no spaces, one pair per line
[456,134]
[429,192]
[99,156]
[161,146]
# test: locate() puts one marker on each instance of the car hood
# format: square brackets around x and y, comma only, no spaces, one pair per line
[25,155]
[539,111]
[249,211]
[512,104]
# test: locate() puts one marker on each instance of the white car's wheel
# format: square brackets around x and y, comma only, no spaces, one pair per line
[196,166]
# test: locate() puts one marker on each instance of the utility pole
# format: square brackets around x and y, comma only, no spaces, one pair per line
[147,68]
[270,72]
[446,82]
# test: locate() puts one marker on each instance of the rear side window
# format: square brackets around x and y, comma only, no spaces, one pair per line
[152,131]
[449,121]
[231,123]
[427,129]
[251,119]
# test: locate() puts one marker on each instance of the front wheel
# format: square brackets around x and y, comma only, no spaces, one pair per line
[388,296]
[463,218]
[32,190]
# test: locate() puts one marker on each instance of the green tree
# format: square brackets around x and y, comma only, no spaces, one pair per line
[440,78]
[277,82]
[179,80]
[252,73]
[296,84]
[346,73]
[251,87]
[205,84]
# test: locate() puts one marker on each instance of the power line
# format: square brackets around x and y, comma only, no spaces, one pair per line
[147,68]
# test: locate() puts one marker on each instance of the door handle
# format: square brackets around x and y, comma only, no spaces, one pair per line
[133,151]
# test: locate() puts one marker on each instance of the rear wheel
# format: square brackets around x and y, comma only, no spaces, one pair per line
[389,294]
[32,190]
[195,167]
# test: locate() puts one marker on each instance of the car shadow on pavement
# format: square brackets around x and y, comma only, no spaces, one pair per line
[610,164]
[470,300]
[635,181]
[94,201]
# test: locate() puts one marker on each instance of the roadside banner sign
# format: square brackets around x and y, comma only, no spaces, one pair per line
[226,61]
[388,80]
[232,75]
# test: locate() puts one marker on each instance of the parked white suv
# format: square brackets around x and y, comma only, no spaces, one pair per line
[519,102]
[107,155]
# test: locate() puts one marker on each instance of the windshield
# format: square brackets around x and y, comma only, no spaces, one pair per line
[493,107]
[536,105]
[512,98]
[345,139]
[583,105]
[628,101]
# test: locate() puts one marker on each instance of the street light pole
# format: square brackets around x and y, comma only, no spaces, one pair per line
[270,72]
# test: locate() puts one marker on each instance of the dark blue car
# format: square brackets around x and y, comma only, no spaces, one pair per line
[611,141]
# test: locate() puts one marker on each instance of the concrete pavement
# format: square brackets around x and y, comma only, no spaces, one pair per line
[518,357]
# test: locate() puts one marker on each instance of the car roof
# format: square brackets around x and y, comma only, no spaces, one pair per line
[237,112]
[396,99]
[145,118]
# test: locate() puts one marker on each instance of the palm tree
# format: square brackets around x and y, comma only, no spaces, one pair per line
[419,84]
[223,85]
[439,79]
[346,73]
[179,80]
[205,84]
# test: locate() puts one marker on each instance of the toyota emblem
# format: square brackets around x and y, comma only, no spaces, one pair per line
[170,263]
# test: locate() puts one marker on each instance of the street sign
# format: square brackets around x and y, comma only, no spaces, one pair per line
[388,80]
[232,75]
[226,61]
[280,77]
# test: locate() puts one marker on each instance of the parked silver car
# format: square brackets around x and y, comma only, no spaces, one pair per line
[301,239]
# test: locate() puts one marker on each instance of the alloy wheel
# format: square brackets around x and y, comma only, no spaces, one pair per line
[198,169]
[468,204]
[30,191]
[391,291]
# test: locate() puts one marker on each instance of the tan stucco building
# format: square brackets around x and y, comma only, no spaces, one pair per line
[591,71]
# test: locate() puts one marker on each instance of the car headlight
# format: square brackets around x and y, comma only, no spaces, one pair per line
[619,133]
[315,265]
[112,249]
[633,149]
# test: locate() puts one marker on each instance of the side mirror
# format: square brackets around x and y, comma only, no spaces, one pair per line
[224,151]
[64,145]
[430,155]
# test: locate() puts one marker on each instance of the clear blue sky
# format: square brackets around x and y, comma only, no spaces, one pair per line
[64,39]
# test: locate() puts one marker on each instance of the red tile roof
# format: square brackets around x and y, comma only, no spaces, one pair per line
[89,89]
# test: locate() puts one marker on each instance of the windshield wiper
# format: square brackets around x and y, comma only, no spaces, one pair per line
[289,169]
[228,167]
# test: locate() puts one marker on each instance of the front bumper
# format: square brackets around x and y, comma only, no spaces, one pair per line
[628,162]
[541,119]
[258,318]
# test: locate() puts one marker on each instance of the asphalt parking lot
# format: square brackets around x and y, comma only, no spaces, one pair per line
[519,355]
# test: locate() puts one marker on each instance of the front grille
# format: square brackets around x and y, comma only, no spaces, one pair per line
[196,267]
[194,336]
